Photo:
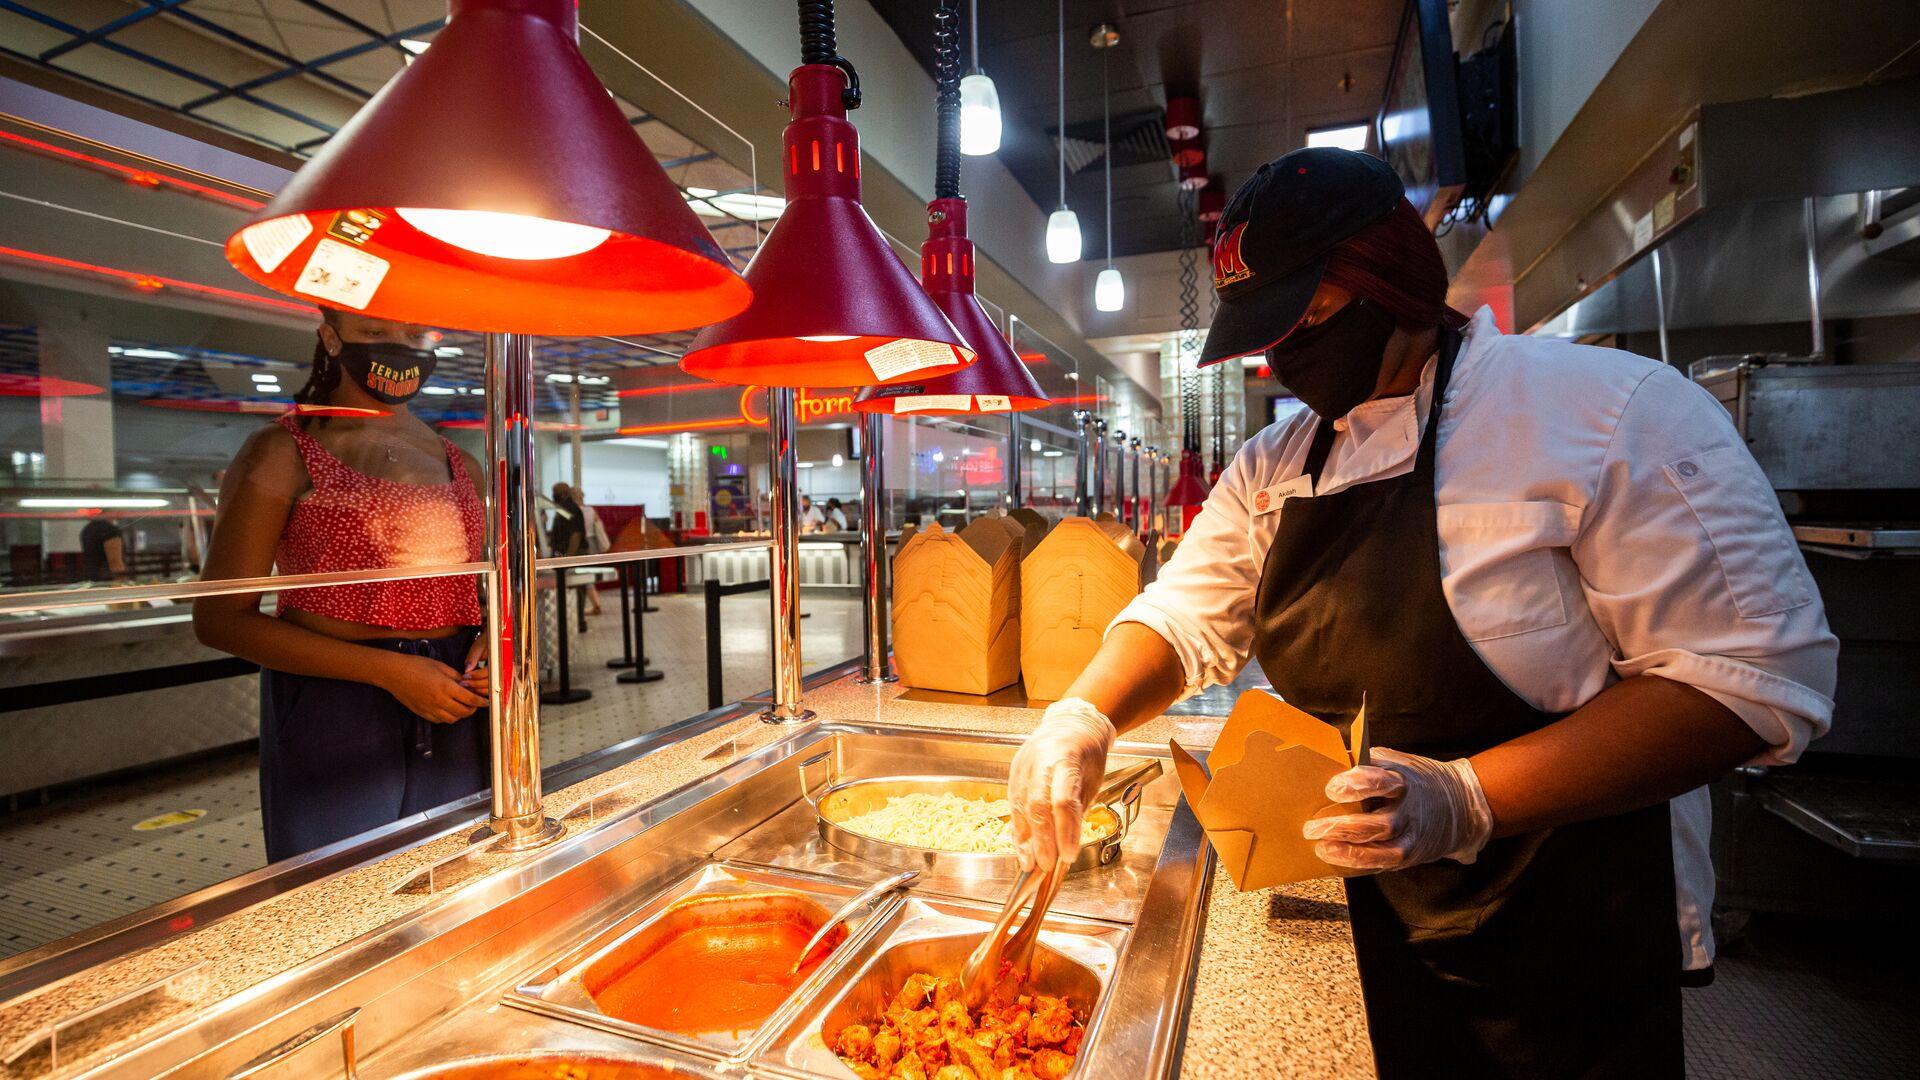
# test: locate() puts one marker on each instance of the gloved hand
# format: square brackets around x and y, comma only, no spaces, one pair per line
[1056,771]
[1436,811]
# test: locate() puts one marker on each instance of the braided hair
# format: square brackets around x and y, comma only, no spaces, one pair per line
[323,377]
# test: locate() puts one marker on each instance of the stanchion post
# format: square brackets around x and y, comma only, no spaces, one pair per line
[566,693]
[641,673]
[625,659]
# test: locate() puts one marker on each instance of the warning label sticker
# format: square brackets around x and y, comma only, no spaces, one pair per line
[342,274]
[993,403]
[926,402]
[271,241]
[905,356]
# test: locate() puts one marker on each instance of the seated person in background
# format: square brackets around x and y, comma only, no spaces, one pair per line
[372,695]
[836,517]
[103,551]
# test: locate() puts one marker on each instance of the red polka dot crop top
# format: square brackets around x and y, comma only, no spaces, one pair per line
[352,521]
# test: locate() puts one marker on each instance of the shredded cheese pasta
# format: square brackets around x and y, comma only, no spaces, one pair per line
[949,823]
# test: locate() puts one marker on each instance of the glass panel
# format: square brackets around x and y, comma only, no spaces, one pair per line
[141,380]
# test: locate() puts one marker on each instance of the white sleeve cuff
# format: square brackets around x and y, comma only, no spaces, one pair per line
[1199,667]
[1787,714]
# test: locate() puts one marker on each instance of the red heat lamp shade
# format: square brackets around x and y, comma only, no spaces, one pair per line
[493,185]
[1194,177]
[833,305]
[1189,153]
[997,382]
[1190,487]
[1212,203]
[1183,119]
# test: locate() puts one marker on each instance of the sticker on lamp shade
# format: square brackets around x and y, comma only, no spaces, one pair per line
[927,402]
[993,402]
[341,274]
[271,241]
[904,356]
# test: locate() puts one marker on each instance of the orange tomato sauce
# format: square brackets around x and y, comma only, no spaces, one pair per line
[712,980]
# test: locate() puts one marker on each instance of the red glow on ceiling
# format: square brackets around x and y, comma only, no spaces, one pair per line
[671,388]
[538,425]
[1080,399]
[17,385]
[143,177]
[154,282]
[676,426]
[259,407]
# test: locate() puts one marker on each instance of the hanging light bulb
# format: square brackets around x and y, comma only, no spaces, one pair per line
[1109,292]
[505,236]
[1063,226]
[1063,236]
[979,101]
[1034,446]
[979,115]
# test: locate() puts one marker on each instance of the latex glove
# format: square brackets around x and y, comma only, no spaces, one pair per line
[1056,772]
[1435,810]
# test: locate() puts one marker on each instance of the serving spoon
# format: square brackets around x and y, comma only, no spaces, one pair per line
[867,896]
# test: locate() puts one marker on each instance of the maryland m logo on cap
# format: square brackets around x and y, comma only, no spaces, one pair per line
[1228,266]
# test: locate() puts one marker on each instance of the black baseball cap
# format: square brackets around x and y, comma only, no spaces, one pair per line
[1274,237]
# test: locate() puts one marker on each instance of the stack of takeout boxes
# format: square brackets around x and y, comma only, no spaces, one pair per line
[956,607]
[1072,586]
[1006,597]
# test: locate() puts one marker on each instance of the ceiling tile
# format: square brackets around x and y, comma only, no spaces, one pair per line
[1345,82]
[1331,26]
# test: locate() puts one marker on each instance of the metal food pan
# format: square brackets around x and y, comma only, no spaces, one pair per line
[561,989]
[843,800]
[1077,959]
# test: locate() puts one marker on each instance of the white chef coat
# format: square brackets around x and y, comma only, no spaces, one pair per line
[1599,518]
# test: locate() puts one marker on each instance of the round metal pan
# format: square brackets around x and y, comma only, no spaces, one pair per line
[849,799]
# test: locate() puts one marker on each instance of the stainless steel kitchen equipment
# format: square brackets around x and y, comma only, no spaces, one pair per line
[1823,427]
[430,986]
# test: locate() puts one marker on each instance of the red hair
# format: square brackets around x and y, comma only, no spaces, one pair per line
[1395,263]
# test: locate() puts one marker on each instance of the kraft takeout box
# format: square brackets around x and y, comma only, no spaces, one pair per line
[1266,775]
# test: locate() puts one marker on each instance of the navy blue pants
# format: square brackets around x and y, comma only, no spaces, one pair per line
[338,758]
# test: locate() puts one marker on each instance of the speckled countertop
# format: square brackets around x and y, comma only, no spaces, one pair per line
[1276,994]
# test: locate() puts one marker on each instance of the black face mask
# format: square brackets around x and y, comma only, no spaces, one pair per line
[392,373]
[1334,364]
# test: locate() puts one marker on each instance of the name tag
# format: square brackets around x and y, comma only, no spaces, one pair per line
[1269,498]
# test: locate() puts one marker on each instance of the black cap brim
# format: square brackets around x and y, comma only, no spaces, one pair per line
[1253,322]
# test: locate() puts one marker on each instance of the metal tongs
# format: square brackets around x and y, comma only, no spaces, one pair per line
[999,951]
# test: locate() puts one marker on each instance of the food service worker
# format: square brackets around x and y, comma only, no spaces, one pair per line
[1561,582]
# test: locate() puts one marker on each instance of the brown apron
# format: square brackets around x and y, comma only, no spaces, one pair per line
[1556,954]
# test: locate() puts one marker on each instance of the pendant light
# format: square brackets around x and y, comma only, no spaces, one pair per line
[997,382]
[979,101]
[1109,291]
[833,305]
[1063,225]
[459,197]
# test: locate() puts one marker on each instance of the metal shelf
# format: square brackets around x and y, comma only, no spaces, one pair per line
[1866,818]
